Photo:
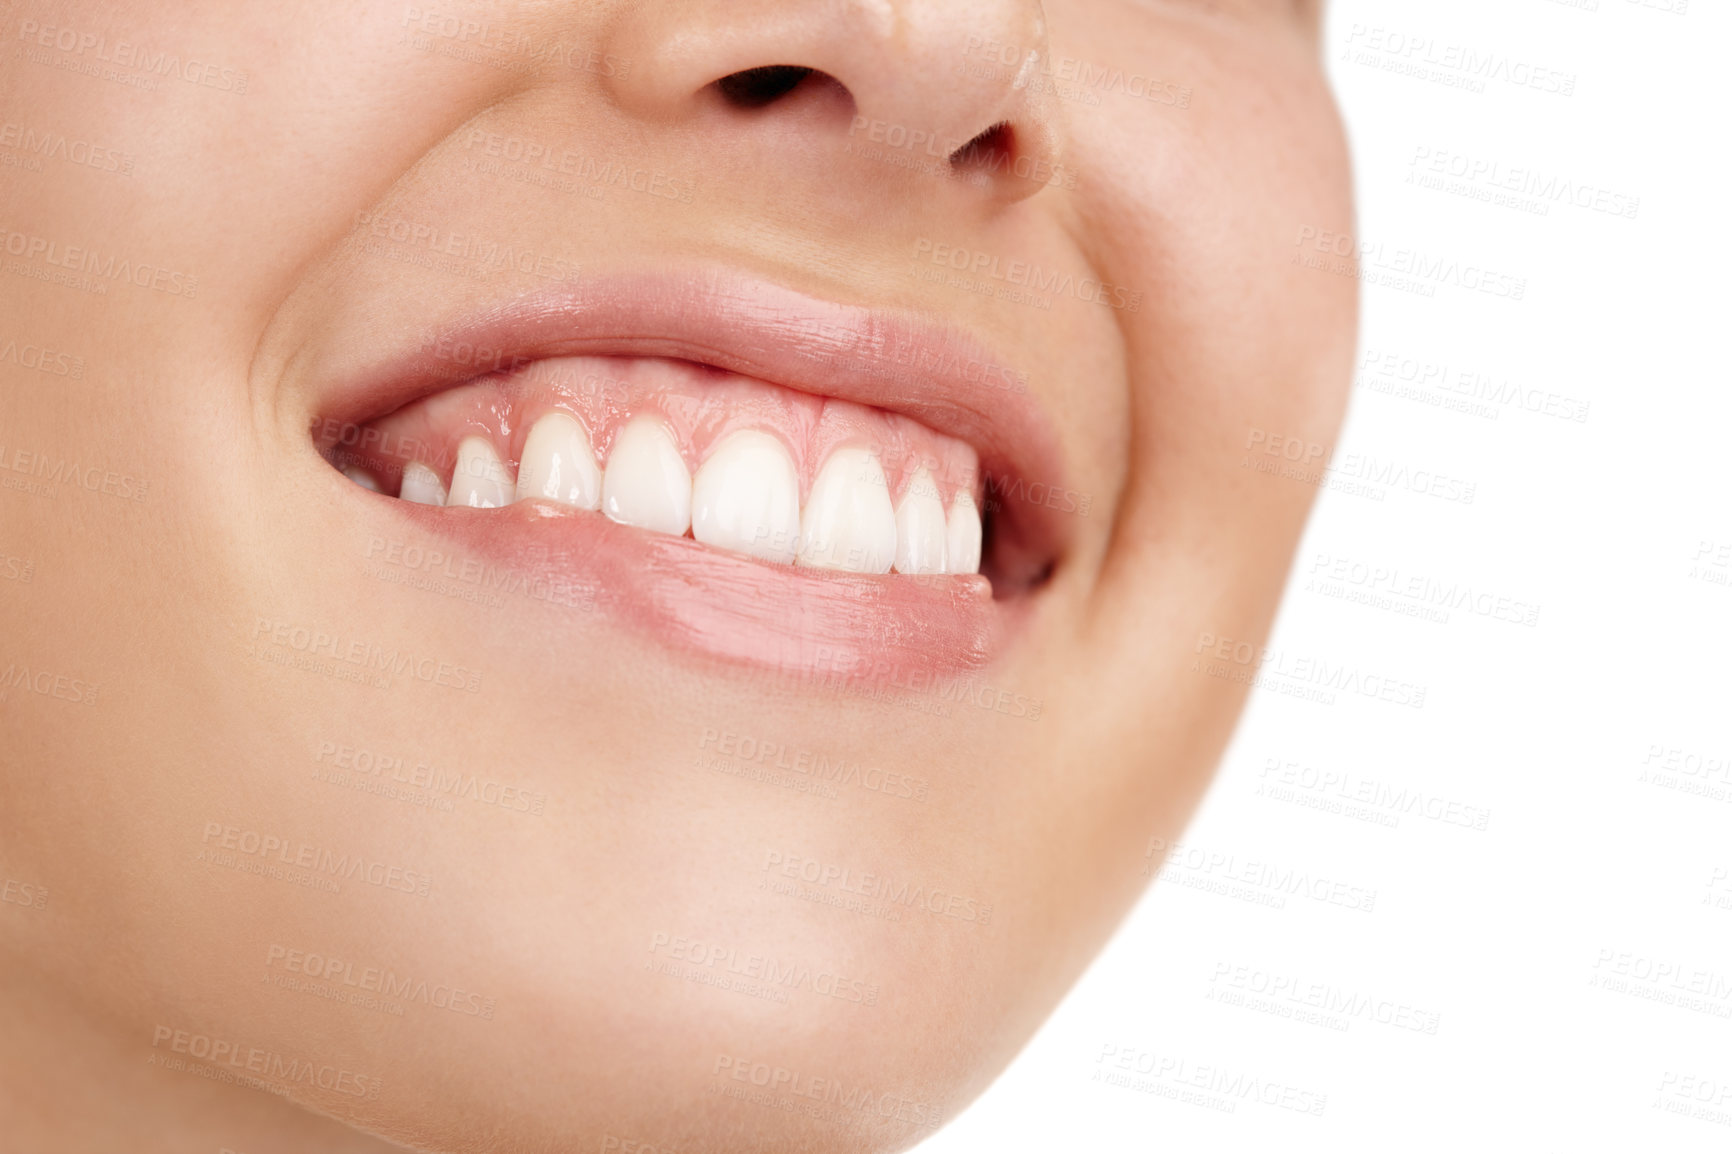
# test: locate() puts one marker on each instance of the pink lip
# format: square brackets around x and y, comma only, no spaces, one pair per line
[799,621]
[696,598]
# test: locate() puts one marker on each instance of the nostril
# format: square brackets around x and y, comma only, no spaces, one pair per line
[756,87]
[991,150]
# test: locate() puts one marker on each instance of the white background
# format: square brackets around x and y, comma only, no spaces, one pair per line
[1575,955]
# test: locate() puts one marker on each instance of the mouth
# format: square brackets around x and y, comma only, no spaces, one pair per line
[741,469]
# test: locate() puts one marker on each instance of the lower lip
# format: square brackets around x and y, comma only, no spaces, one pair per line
[695,599]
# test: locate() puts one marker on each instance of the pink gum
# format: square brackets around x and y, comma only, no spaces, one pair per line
[700,405]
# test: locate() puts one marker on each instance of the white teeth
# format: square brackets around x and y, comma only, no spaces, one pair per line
[422,485]
[362,478]
[480,480]
[558,464]
[920,527]
[646,482]
[848,523]
[746,497]
[962,536]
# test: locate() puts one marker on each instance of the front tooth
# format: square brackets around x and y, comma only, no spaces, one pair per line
[746,497]
[362,478]
[920,527]
[422,485]
[962,536]
[480,480]
[848,523]
[558,465]
[646,482]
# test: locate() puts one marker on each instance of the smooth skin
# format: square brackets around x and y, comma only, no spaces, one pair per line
[563,923]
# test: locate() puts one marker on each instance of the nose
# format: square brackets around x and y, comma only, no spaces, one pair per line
[952,76]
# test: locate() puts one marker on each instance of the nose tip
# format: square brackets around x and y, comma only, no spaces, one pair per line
[953,74]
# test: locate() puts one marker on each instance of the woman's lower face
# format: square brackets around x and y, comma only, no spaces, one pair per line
[634,574]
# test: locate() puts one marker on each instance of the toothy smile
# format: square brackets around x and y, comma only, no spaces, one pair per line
[671,447]
[730,466]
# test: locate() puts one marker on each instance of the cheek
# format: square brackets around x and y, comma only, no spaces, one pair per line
[1243,346]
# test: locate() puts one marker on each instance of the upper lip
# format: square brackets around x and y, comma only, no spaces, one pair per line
[890,359]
